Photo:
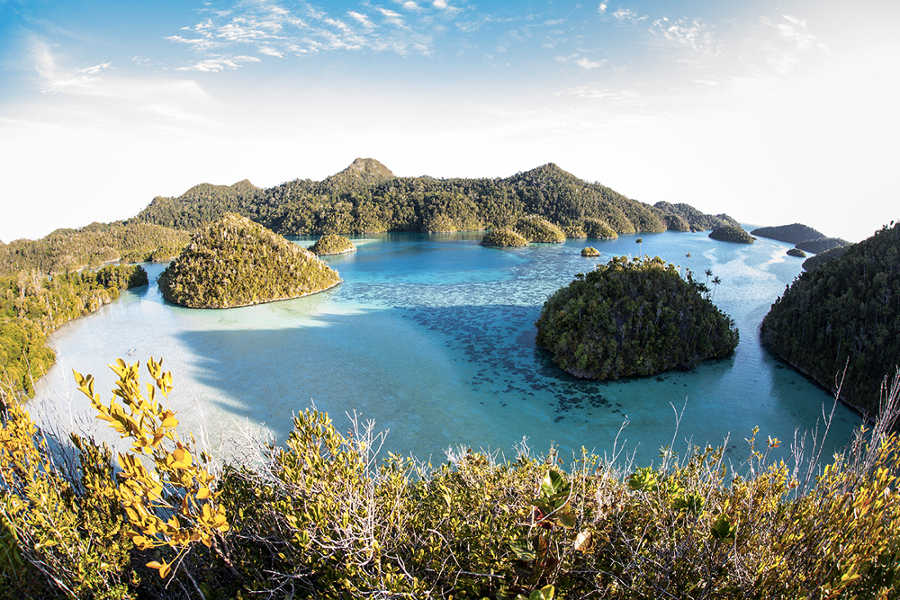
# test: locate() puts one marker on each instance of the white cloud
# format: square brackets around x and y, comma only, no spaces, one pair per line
[627,15]
[794,40]
[581,61]
[602,7]
[268,51]
[392,17]
[694,34]
[55,79]
[217,64]
[586,63]
[439,4]
[362,19]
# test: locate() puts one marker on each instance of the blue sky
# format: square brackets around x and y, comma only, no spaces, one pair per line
[773,113]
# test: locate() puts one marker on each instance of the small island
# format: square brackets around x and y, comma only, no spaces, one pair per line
[792,234]
[590,251]
[796,252]
[732,233]
[332,243]
[235,262]
[538,229]
[633,318]
[504,236]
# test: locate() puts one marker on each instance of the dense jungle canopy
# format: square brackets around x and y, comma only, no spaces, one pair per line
[633,317]
[845,311]
[236,262]
[366,197]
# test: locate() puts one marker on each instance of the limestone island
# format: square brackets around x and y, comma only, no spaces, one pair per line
[235,262]
[796,252]
[504,236]
[538,229]
[633,318]
[732,233]
[590,251]
[332,243]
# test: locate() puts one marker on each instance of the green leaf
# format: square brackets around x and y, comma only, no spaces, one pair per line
[523,550]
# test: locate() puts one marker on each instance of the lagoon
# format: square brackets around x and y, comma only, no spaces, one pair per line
[432,337]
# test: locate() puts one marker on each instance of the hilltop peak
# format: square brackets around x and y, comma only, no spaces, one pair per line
[366,168]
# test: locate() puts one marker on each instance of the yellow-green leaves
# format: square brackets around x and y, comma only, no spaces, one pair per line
[175,486]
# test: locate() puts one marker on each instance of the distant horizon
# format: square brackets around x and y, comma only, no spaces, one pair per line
[745,224]
[767,113]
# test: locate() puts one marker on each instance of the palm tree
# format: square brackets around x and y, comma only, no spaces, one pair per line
[687,266]
[715,281]
[640,243]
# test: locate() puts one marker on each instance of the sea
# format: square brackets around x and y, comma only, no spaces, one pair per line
[430,341]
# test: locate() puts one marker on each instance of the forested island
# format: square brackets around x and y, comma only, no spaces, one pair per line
[367,198]
[844,312]
[33,305]
[332,243]
[805,239]
[236,262]
[322,515]
[732,233]
[633,318]
[792,234]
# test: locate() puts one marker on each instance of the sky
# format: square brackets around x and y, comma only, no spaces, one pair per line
[772,112]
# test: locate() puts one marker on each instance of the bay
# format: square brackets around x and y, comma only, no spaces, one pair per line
[432,337]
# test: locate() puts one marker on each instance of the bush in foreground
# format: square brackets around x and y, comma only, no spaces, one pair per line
[319,517]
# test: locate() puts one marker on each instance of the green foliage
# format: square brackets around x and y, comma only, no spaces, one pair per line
[331,243]
[590,251]
[67,250]
[321,517]
[822,244]
[732,233]
[539,230]
[633,317]
[696,220]
[367,197]
[235,262]
[597,228]
[504,237]
[797,252]
[32,306]
[845,312]
[814,261]
[793,234]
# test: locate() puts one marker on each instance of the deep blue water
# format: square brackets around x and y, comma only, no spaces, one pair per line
[432,336]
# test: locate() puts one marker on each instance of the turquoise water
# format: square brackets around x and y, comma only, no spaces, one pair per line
[432,337]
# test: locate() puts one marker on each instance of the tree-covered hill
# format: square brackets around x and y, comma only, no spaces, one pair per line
[847,309]
[367,197]
[792,234]
[823,244]
[633,317]
[202,204]
[236,262]
[331,243]
[823,257]
[74,249]
[696,220]
[732,233]
[33,305]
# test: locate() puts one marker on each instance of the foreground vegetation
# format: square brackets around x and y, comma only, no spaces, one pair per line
[321,517]
[845,311]
[633,317]
[235,262]
[33,305]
